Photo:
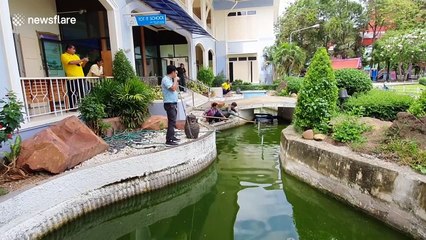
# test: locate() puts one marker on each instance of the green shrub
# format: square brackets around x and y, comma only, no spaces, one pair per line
[294,84]
[121,68]
[219,79]
[354,81]
[132,100]
[158,93]
[197,87]
[244,87]
[206,76]
[348,129]
[418,107]
[407,152]
[11,116]
[92,112]
[317,100]
[103,93]
[379,104]
[422,81]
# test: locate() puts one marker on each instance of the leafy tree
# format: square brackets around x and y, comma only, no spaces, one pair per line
[396,15]
[288,58]
[317,99]
[340,20]
[402,47]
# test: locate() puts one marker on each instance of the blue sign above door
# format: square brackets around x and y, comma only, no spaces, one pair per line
[155,19]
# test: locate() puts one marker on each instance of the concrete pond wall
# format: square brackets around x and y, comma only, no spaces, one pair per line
[33,212]
[392,193]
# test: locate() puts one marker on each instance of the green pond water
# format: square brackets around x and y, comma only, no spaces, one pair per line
[244,195]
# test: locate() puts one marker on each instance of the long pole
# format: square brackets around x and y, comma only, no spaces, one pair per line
[298,30]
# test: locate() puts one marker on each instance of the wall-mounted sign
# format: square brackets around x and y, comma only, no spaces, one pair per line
[146,20]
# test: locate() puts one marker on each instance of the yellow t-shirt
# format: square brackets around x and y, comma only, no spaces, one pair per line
[71,70]
[226,86]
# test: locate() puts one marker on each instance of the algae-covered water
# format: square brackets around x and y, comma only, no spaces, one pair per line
[243,195]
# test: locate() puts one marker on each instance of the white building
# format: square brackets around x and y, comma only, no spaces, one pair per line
[228,36]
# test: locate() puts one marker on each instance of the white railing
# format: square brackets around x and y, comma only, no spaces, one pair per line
[55,95]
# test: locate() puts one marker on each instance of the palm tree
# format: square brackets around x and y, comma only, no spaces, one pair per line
[288,58]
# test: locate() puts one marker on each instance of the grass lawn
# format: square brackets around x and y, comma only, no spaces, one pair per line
[411,89]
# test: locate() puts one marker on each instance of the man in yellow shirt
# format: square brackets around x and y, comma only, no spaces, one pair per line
[73,65]
[226,87]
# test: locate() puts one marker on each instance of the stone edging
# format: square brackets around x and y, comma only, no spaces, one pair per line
[392,193]
[45,207]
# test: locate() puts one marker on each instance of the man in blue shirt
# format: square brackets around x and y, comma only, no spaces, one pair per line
[169,86]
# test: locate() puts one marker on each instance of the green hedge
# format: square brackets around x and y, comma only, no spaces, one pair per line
[422,81]
[354,81]
[379,104]
[254,87]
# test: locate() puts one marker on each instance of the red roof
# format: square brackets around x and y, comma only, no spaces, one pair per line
[346,63]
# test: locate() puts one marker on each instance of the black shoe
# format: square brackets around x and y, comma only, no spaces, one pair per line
[171,143]
[175,139]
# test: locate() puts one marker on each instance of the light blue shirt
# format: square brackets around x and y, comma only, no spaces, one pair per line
[169,96]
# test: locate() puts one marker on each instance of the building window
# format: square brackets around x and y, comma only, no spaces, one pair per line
[233,59]
[252,58]
[242,59]
[241,13]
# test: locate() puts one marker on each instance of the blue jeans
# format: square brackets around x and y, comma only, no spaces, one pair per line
[171,110]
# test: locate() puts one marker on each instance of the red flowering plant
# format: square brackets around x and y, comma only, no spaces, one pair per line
[11,116]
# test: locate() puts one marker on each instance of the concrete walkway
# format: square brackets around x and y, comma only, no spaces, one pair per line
[32,212]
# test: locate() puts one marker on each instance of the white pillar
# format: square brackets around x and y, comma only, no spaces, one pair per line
[203,8]
[205,58]
[9,77]
[188,4]
[192,59]
[120,33]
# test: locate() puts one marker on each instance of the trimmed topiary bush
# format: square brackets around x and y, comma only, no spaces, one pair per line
[354,81]
[206,76]
[317,100]
[418,107]
[379,104]
[422,81]
[121,68]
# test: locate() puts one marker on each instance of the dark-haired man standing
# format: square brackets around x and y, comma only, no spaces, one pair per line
[73,65]
[169,86]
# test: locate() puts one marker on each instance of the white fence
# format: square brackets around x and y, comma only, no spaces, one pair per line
[54,95]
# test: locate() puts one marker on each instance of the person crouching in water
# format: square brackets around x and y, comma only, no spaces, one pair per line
[214,114]
[231,110]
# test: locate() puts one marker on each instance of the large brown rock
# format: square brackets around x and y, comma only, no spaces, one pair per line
[155,122]
[115,125]
[60,147]
[159,122]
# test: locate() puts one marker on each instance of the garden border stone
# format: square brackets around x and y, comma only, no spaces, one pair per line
[31,213]
[394,194]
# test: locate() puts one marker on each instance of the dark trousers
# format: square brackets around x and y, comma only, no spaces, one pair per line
[213,120]
[171,110]
[182,84]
